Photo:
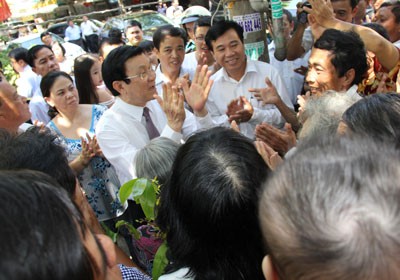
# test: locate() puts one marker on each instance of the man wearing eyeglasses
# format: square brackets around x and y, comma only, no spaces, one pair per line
[136,117]
[202,55]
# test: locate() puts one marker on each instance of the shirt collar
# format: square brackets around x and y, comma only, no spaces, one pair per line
[128,109]
[250,67]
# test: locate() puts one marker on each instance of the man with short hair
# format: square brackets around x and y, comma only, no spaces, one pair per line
[42,60]
[73,34]
[202,54]
[72,51]
[27,82]
[133,32]
[331,211]
[136,118]
[89,33]
[14,109]
[230,98]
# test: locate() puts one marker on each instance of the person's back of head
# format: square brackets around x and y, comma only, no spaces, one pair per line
[332,212]
[376,116]
[208,207]
[155,159]
[41,230]
[322,114]
[19,54]
[348,52]
[37,149]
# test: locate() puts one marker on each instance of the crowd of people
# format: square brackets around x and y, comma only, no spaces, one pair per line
[250,187]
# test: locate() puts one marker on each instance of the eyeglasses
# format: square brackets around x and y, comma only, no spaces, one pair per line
[200,39]
[143,75]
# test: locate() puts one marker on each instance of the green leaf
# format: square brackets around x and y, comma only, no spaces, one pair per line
[148,201]
[132,230]
[109,232]
[126,190]
[160,261]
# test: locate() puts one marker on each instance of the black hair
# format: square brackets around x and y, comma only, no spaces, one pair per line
[31,56]
[219,29]
[43,34]
[395,8]
[376,116]
[37,149]
[208,207]
[147,45]
[348,52]
[61,46]
[168,30]
[115,36]
[41,230]
[203,21]
[132,23]
[378,28]
[18,54]
[45,86]
[113,67]
[87,92]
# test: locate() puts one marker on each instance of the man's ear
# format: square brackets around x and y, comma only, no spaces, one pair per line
[119,86]
[349,77]
[157,52]
[34,70]
[269,269]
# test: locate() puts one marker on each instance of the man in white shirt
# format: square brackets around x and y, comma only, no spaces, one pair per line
[89,33]
[230,98]
[42,60]
[27,83]
[73,34]
[125,127]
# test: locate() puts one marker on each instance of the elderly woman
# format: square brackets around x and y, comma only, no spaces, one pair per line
[75,125]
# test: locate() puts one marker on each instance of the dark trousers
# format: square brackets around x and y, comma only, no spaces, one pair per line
[78,42]
[92,43]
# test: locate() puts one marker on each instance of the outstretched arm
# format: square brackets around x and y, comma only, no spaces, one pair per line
[386,52]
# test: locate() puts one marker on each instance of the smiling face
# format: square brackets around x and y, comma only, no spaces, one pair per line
[322,75]
[45,62]
[14,109]
[134,35]
[95,73]
[171,54]
[137,91]
[229,52]
[201,46]
[387,19]
[63,95]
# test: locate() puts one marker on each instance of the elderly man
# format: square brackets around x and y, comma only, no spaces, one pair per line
[136,118]
[332,212]
[14,109]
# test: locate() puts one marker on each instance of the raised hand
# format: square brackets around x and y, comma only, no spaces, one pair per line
[240,110]
[271,157]
[267,95]
[173,106]
[197,94]
[279,140]
[87,151]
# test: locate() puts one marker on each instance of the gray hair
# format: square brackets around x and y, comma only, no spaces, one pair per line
[322,114]
[333,211]
[155,159]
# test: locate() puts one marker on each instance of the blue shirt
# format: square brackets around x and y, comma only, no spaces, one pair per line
[73,33]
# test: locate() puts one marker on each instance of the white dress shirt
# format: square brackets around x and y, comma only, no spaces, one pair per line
[27,83]
[121,132]
[88,28]
[225,89]
[293,81]
[160,77]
